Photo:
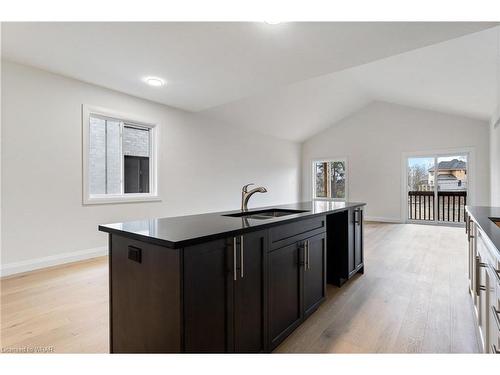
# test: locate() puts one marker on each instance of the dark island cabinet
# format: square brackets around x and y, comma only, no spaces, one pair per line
[314,272]
[208,297]
[242,293]
[297,284]
[358,240]
[345,247]
[224,294]
[145,297]
[285,280]
[250,293]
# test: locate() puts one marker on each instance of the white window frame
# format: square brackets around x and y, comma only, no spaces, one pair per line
[313,178]
[126,119]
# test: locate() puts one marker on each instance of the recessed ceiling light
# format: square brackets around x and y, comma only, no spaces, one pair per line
[154,81]
[272,22]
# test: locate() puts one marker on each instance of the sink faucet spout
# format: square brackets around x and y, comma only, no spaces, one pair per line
[245,195]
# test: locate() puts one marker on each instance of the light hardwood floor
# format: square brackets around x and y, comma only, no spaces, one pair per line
[412,298]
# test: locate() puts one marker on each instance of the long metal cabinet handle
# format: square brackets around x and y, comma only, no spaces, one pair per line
[308,256]
[305,255]
[241,256]
[476,275]
[234,259]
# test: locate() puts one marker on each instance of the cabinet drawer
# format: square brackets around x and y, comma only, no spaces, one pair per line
[285,234]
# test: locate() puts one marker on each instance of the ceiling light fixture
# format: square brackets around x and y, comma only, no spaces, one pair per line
[154,81]
[272,22]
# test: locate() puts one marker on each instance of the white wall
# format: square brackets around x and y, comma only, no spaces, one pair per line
[495,138]
[374,140]
[202,167]
[495,164]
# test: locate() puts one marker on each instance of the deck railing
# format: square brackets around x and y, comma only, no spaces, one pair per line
[450,205]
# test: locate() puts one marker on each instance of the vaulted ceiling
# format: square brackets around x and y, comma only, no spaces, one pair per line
[457,76]
[289,80]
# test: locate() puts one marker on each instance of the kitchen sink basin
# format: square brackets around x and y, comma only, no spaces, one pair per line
[265,214]
[496,220]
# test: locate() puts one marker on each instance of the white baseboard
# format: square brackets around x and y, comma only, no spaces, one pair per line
[383,219]
[52,260]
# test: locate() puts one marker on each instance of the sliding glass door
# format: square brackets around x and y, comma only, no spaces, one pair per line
[437,188]
[421,195]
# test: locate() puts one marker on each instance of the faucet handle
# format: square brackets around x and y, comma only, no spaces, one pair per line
[246,186]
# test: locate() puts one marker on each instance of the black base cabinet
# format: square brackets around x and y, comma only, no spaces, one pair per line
[241,294]
[285,289]
[297,285]
[224,294]
[314,270]
[345,252]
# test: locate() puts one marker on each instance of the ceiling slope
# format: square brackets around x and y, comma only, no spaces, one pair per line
[456,76]
[210,64]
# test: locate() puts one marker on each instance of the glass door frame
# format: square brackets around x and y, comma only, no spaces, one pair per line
[433,154]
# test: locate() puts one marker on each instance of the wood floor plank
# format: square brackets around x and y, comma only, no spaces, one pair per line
[412,298]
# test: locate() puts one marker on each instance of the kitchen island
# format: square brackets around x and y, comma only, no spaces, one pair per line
[227,281]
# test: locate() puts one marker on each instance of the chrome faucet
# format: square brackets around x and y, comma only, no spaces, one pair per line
[245,195]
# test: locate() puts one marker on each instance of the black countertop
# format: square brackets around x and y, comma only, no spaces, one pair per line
[181,231]
[481,216]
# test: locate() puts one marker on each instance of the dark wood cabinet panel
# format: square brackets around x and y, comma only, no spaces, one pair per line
[345,246]
[314,273]
[241,294]
[208,297]
[250,325]
[358,239]
[286,234]
[284,291]
[351,233]
[145,293]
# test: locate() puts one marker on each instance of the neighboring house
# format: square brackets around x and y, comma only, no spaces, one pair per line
[451,176]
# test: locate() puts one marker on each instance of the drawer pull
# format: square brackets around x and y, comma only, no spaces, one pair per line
[135,254]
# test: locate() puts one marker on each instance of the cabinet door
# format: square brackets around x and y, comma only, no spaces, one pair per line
[470,252]
[208,297]
[495,344]
[284,292]
[358,238]
[145,287]
[249,293]
[493,313]
[351,233]
[482,288]
[314,272]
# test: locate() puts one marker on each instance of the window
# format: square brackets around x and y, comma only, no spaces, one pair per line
[330,179]
[119,160]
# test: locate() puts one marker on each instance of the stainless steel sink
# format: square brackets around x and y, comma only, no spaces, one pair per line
[265,214]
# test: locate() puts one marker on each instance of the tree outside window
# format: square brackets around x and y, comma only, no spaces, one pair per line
[330,179]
